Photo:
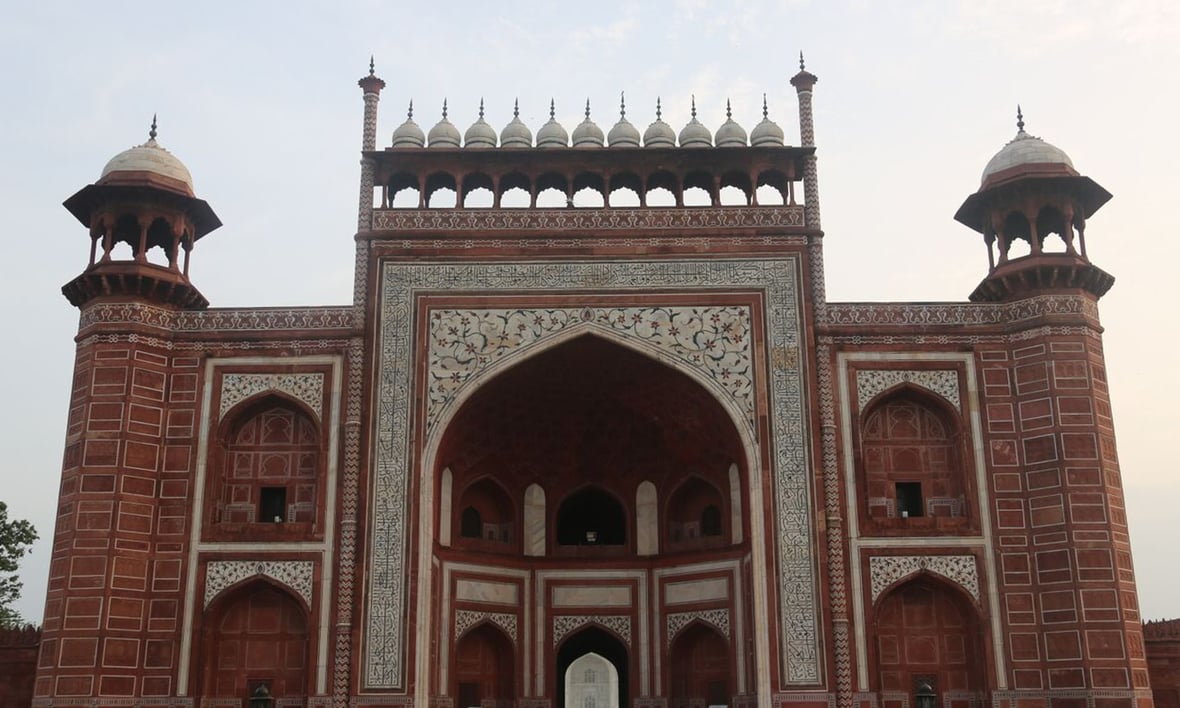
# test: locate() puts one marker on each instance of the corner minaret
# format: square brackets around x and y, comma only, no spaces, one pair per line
[1029,191]
[804,83]
[143,198]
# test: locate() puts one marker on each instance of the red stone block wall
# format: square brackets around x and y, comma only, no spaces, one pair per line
[1162,640]
[111,627]
[1068,603]
[18,665]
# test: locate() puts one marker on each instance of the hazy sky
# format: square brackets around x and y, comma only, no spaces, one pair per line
[260,101]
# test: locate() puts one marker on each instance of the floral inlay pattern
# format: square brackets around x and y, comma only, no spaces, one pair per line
[465,342]
[871,382]
[308,388]
[886,570]
[466,619]
[296,575]
[677,621]
[619,624]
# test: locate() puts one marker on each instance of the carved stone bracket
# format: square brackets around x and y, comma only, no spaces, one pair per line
[296,575]
[884,571]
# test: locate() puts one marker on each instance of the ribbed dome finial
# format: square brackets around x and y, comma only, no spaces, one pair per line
[481,107]
[765,110]
[444,109]
[802,66]
[372,66]
[552,110]
[1019,119]
[152,131]
[516,108]
[694,106]
[623,134]
[659,111]
[728,110]
[622,104]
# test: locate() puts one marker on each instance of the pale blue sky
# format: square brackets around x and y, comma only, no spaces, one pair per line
[260,101]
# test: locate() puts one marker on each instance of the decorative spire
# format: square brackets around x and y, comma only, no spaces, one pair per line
[515,108]
[410,111]
[622,105]
[802,66]
[728,110]
[552,110]
[372,66]
[694,106]
[659,112]
[444,109]
[481,107]
[152,132]
[765,112]
[1019,119]
[587,109]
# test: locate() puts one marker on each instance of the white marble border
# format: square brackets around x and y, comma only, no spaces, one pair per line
[777,279]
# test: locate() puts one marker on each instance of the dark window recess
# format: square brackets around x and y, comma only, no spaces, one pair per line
[591,517]
[909,499]
[711,521]
[272,505]
[470,523]
[469,690]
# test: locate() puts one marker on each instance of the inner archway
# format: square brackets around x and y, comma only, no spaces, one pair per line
[589,665]
[701,669]
[484,668]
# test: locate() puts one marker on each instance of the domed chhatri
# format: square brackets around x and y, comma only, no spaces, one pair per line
[148,164]
[694,134]
[587,133]
[516,133]
[767,132]
[552,134]
[480,134]
[730,134]
[1026,155]
[444,133]
[659,133]
[623,134]
[409,134]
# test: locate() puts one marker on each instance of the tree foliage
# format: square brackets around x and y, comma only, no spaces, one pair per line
[16,536]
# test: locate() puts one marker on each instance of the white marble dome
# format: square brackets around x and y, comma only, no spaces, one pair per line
[480,134]
[623,134]
[516,133]
[659,133]
[587,133]
[730,134]
[767,132]
[1025,149]
[444,133]
[694,134]
[409,134]
[147,158]
[552,134]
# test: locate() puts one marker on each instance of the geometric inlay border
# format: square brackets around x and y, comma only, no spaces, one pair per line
[884,571]
[870,382]
[775,278]
[307,388]
[296,575]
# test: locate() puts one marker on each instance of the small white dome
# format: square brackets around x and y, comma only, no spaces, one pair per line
[623,134]
[1025,149]
[409,134]
[552,134]
[694,134]
[730,134]
[516,133]
[767,132]
[444,133]
[587,133]
[480,134]
[659,133]
[150,159]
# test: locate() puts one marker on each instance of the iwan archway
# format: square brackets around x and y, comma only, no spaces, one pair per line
[580,489]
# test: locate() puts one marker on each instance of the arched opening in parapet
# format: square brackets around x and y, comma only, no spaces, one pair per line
[732,196]
[593,670]
[736,189]
[403,191]
[589,197]
[772,188]
[702,672]
[477,191]
[484,668]
[624,197]
[514,191]
[927,630]
[660,197]
[441,191]
[553,191]
[661,189]
[255,635]
[625,190]
[159,242]
[698,189]
[1051,229]
[1018,235]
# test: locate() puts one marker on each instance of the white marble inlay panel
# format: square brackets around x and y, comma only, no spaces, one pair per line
[466,619]
[591,596]
[884,571]
[677,621]
[307,387]
[564,624]
[870,382]
[296,575]
[487,591]
[682,593]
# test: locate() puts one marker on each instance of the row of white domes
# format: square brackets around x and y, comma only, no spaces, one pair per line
[587,133]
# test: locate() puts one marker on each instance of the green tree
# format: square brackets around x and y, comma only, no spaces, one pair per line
[15,538]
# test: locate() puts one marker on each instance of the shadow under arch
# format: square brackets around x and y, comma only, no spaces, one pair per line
[597,640]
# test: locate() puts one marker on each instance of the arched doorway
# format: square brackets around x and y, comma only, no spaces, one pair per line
[594,650]
[701,673]
[928,632]
[256,635]
[484,668]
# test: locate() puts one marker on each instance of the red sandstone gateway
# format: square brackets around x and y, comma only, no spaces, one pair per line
[599,442]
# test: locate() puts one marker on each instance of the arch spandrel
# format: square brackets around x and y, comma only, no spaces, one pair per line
[467,346]
[942,383]
[886,572]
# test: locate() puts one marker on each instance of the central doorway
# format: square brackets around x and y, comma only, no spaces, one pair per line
[592,671]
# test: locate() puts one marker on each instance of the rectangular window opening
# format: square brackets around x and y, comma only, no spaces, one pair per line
[272,505]
[909,499]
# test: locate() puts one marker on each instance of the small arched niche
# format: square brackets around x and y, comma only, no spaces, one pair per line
[701,668]
[911,466]
[695,516]
[485,668]
[596,650]
[591,516]
[485,516]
